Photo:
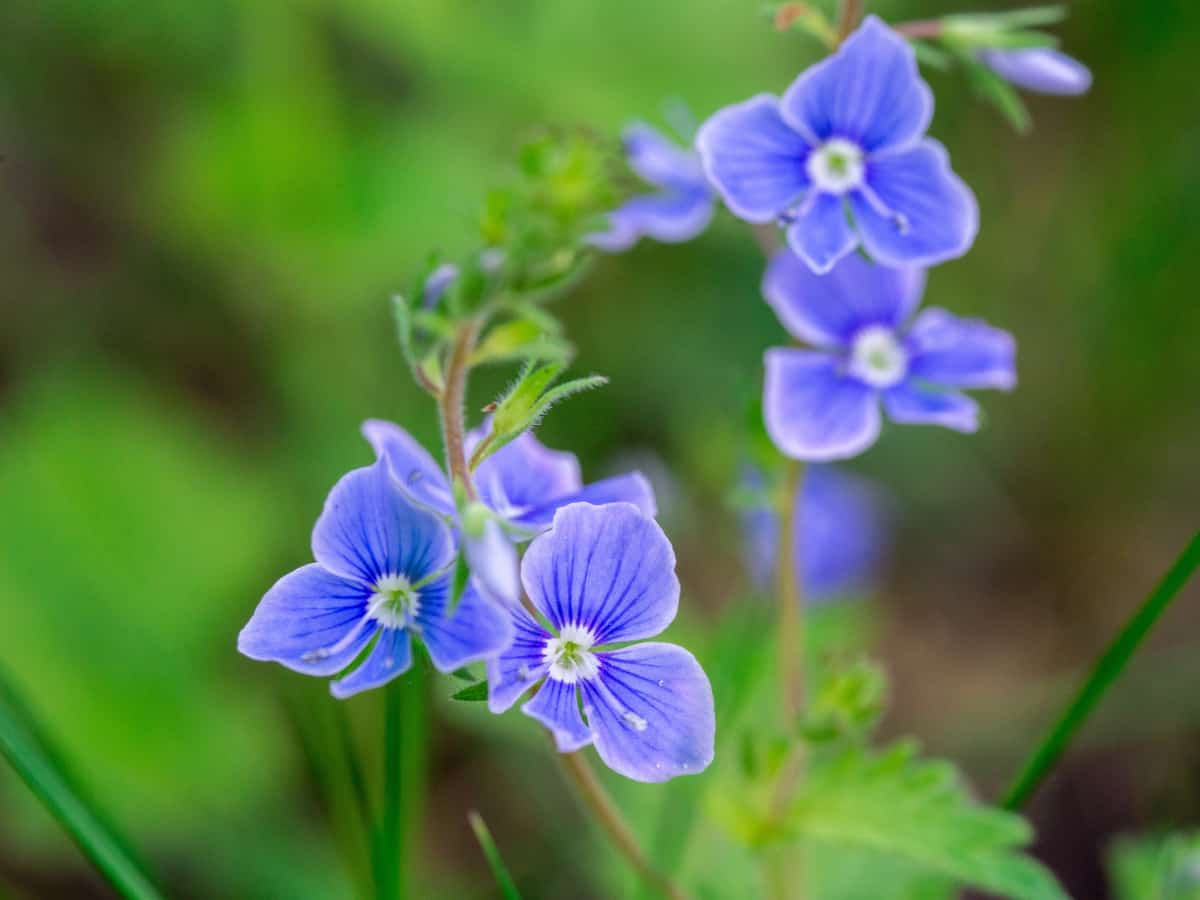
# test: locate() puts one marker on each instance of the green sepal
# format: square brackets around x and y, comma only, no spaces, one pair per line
[994,89]
[475,693]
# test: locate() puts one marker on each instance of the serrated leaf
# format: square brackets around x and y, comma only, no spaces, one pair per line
[919,811]
[476,693]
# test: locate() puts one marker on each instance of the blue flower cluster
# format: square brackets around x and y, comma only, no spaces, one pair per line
[842,164]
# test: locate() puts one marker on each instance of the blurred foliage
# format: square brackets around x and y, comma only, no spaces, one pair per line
[204,209]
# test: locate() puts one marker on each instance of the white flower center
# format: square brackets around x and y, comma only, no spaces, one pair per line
[395,603]
[837,166]
[569,655]
[878,358]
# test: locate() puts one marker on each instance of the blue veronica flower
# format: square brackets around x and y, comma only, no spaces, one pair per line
[841,160]
[840,542]
[605,575]
[382,575]
[823,404]
[1039,69]
[678,211]
[523,483]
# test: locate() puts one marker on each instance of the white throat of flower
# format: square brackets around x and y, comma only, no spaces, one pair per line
[878,358]
[395,603]
[836,167]
[570,656]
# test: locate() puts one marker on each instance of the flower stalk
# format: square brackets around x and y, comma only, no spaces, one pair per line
[605,812]
[451,405]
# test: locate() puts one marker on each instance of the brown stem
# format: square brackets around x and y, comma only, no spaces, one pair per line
[922,28]
[848,17]
[606,813]
[451,405]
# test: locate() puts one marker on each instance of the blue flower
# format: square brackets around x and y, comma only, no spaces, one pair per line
[523,483]
[1039,69]
[840,541]
[823,404]
[380,577]
[605,575]
[841,160]
[680,210]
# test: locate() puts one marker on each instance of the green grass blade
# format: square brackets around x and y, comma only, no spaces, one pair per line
[1106,671]
[38,769]
[508,889]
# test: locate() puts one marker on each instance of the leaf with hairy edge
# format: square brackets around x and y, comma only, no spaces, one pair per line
[919,810]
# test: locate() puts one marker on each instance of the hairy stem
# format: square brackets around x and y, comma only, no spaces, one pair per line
[451,405]
[604,811]
[850,13]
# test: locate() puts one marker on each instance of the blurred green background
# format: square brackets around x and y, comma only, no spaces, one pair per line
[203,210]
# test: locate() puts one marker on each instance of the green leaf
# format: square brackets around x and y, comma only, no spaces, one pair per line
[1108,668]
[463,674]
[476,693]
[919,811]
[1159,867]
[45,778]
[994,89]
[508,890]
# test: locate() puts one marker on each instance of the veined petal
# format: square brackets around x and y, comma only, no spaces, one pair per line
[609,569]
[915,211]
[521,665]
[556,705]
[912,404]
[370,529]
[672,217]
[821,234]
[827,310]
[651,710]
[961,353]
[417,472]
[523,474]
[869,92]
[477,629]
[754,158]
[813,411]
[391,656]
[1040,69]
[658,160]
[632,487]
[311,620]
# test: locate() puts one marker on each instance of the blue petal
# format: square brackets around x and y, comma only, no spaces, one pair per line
[812,411]
[477,629]
[869,92]
[370,529]
[435,286]
[492,559]
[671,217]
[660,161]
[754,158]
[523,474]
[556,706]
[651,709]
[308,611]
[961,353]
[391,656]
[920,213]
[1039,69]
[912,404]
[632,487]
[607,568]
[828,310]
[821,234]
[841,538]
[412,466]
[521,665]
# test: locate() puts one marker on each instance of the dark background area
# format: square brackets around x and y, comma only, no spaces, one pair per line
[203,210]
